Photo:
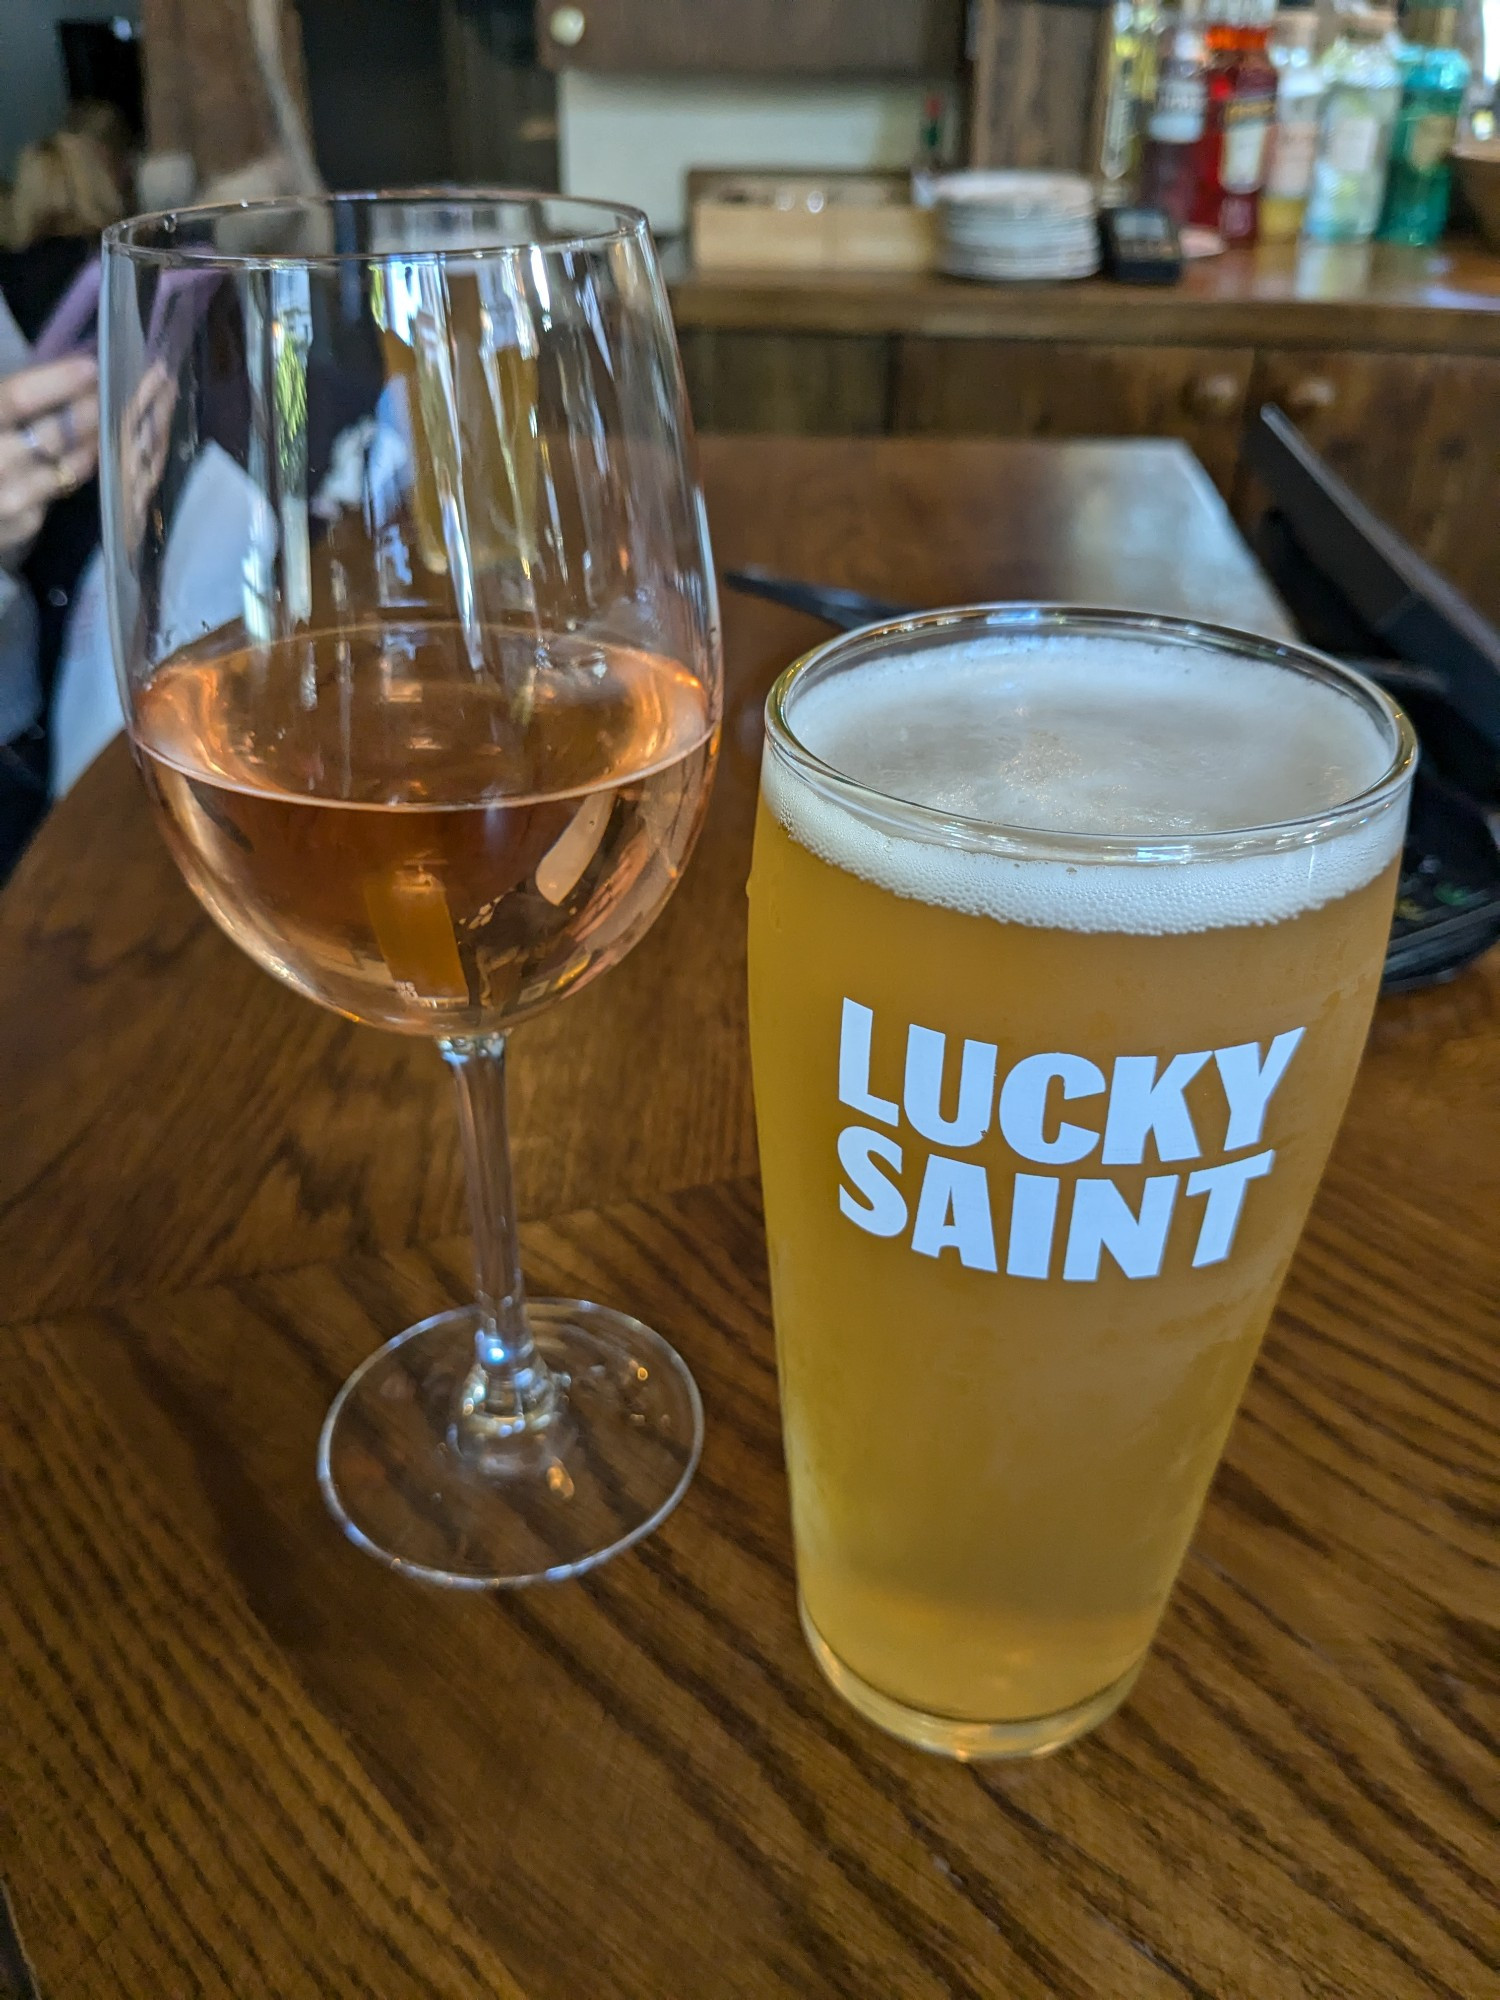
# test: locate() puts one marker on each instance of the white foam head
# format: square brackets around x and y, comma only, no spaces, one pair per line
[1091,734]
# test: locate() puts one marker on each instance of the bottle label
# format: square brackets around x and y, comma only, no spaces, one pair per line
[1353,143]
[1292,151]
[1242,157]
[1180,104]
[1429,140]
[1119,127]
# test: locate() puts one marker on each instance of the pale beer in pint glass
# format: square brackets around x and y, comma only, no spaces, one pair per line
[1065,932]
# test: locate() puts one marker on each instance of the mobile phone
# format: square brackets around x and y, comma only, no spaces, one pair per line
[1140,246]
[73,326]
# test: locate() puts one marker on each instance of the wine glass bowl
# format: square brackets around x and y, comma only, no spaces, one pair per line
[416,627]
[366,814]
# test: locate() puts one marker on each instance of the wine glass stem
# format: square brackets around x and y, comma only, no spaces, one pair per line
[509,1389]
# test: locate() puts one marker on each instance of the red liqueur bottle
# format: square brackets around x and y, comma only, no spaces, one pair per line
[1240,109]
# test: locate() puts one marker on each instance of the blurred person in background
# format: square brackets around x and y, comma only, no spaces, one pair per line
[49,525]
[74,184]
[67,189]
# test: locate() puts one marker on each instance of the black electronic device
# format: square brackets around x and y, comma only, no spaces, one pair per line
[1352,582]
[1140,246]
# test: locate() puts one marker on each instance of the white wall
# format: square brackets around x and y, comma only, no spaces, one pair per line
[33,86]
[633,138]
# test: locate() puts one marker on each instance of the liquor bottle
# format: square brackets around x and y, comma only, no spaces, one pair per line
[1118,134]
[1435,76]
[1363,94]
[1148,17]
[1294,135]
[1220,50]
[1241,102]
[1175,126]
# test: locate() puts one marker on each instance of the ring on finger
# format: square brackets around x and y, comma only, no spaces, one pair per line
[65,479]
[34,444]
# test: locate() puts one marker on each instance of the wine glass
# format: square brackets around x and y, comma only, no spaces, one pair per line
[414,616]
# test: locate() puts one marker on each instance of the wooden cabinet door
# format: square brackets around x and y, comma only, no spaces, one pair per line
[1418,438]
[759,37]
[803,384]
[1027,388]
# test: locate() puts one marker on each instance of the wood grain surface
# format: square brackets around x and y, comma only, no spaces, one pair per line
[805,384]
[1035,84]
[1057,388]
[239,1759]
[1415,435]
[760,38]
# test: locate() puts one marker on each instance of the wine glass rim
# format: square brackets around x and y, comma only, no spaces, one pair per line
[131,238]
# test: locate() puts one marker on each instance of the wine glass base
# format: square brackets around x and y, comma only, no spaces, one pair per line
[604,1471]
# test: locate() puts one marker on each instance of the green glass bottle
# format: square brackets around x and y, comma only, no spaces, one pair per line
[1435,76]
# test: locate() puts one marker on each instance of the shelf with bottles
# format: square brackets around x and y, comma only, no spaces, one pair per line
[1229,115]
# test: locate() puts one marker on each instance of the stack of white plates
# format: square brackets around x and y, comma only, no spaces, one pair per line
[1017,225]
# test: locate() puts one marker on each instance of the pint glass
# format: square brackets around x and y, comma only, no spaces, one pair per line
[1065,931]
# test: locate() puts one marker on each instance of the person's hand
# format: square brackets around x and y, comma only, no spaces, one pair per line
[49,441]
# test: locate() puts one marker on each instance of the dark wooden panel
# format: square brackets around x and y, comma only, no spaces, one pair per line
[1064,389]
[379,104]
[763,37]
[1418,438]
[502,106]
[1456,490]
[1035,67]
[824,385]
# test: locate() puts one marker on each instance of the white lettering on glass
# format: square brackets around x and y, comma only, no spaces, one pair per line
[1103,1220]
[1033,1220]
[854,1066]
[922,1096]
[953,1213]
[1225,1187]
[952,1105]
[1144,1105]
[1023,1108]
[1249,1083]
[883,1211]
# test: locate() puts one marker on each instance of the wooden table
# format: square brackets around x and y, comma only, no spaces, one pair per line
[1387,359]
[239,1759]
